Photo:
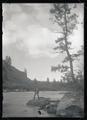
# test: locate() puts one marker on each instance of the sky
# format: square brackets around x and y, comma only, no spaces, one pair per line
[29,38]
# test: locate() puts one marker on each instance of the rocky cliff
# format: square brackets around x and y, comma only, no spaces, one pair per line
[14,78]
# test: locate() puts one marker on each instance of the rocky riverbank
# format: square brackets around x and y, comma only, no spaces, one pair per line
[71,105]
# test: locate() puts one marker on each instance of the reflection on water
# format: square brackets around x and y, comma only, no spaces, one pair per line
[14,104]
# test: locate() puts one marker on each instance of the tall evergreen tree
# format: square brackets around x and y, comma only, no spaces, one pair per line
[25,70]
[47,80]
[67,21]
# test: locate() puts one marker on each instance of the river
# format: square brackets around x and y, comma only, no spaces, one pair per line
[14,103]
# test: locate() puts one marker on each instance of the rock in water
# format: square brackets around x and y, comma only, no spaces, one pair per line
[39,102]
[51,109]
[39,112]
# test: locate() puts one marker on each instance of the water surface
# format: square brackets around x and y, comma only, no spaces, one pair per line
[14,103]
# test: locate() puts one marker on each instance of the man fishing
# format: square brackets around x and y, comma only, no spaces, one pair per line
[36,93]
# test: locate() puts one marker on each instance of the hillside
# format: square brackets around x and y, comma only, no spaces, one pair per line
[14,78]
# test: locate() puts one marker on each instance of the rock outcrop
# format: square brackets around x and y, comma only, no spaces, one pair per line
[70,106]
[41,102]
[14,78]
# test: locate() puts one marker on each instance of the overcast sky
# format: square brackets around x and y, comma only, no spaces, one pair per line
[29,37]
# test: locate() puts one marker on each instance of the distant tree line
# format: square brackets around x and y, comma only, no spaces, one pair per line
[8,60]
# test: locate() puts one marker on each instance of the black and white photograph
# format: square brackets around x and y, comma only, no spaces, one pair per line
[43,60]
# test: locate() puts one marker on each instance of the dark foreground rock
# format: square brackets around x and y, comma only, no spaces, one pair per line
[71,105]
[71,111]
[51,108]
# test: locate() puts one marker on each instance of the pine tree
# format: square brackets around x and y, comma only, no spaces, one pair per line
[8,60]
[67,21]
[25,70]
[47,80]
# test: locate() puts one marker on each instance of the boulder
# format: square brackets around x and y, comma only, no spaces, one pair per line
[51,107]
[71,111]
[70,106]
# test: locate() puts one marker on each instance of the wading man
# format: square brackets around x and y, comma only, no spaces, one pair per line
[36,93]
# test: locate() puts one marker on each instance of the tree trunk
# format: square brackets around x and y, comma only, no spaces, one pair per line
[71,64]
[67,51]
